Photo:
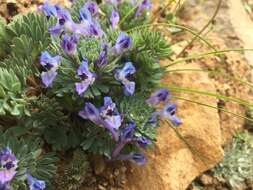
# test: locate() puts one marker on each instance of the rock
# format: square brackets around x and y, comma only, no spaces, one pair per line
[206,179]
[173,165]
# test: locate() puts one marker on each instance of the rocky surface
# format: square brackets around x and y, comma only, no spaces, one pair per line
[174,162]
[173,165]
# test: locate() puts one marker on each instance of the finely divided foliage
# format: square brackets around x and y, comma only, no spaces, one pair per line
[78,78]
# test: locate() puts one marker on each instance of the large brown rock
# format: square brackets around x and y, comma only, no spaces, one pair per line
[173,165]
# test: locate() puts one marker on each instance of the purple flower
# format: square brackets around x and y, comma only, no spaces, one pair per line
[35,184]
[48,77]
[9,164]
[143,142]
[8,160]
[169,112]
[85,14]
[114,19]
[153,119]
[114,2]
[86,76]
[126,136]
[69,44]
[124,75]
[137,158]
[102,60]
[91,26]
[95,29]
[123,43]
[145,5]
[5,186]
[92,7]
[107,116]
[159,96]
[110,114]
[64,23]
[50,64]
[92,113]
[48,9]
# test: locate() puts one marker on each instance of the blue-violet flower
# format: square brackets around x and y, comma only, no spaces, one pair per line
[123,43]
[159,96]
[48,9]
[126,136]
[169,112]
[92,7]
[86,76]
[35,184]
[138,158]
[50,64]
[107,116]
[124,75]
[103,60]
[69,44]
[9,164]
[114,19]
[145,5]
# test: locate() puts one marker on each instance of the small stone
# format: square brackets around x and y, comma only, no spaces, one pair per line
[99,165]
[123,182]
[123,169]
[105,184]
[116,172]
[206,179]
[100,187]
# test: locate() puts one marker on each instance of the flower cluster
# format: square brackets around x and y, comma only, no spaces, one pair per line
[168,112]
[8,170]
[89,73]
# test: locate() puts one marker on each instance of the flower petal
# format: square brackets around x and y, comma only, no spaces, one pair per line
[69,44]
[92,7]
[92,113]
[114,19]
[48,77]
[129,88]
[159,96]
[81,87]
[35,184]
[123,43]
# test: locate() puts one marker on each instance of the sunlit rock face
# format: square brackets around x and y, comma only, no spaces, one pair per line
[174,163]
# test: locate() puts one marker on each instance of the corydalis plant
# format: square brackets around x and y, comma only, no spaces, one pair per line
[8,171]
[109,69]
[86,83]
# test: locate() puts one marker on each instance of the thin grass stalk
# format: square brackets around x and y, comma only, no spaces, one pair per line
[212,107]
[203,29]
[176,26]
[200,56]
[191,148]
[211,94]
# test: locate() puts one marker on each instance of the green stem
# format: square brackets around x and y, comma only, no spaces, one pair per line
[213,107]
[200,56]
[219,96]
[157,13]
[176,26]
[203,29]
[129,13]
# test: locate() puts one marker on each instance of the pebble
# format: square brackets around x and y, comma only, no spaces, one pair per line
[206,179]
[99,165]
[100,187]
